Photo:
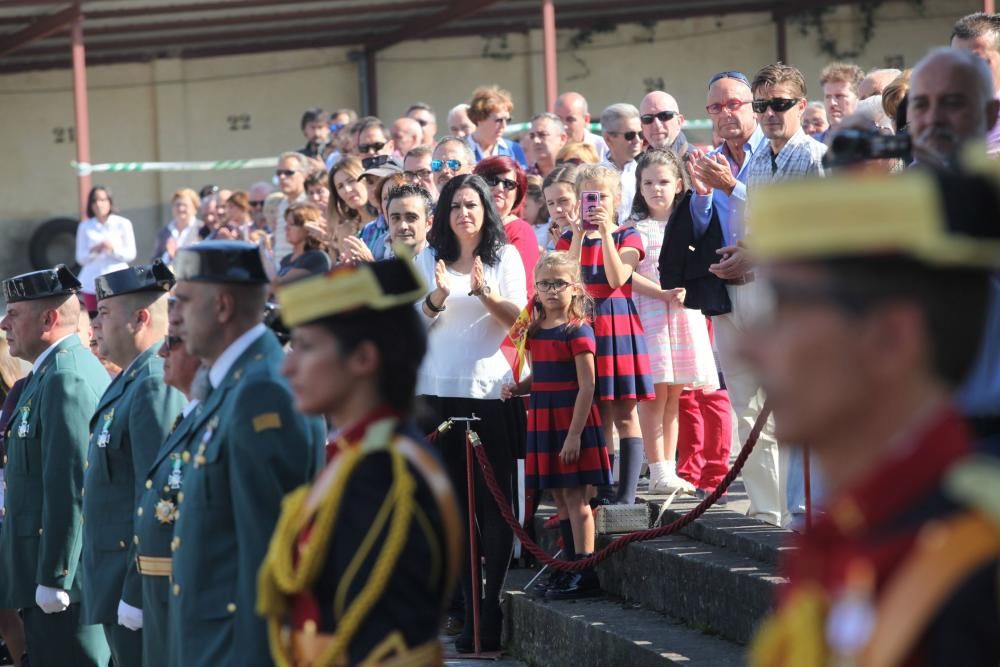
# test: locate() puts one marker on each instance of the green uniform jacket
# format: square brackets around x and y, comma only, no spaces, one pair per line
[153,533]
[41,540]
[250,447]
[131,422]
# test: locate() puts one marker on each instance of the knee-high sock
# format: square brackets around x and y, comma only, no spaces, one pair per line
[566,531]
[629,465]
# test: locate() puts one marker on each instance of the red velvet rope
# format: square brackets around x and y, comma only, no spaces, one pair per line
[639,536]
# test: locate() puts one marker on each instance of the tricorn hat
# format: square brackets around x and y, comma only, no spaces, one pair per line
[155,277]
[220,262]
[57,281]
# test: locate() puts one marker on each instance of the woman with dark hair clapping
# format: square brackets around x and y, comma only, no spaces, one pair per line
[478,290]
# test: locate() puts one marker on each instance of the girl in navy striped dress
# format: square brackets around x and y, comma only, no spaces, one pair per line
[565,451]
[608,256]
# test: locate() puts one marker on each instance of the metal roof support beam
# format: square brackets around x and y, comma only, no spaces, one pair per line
[455,11]
[549,51]
[40,29]
[81,110]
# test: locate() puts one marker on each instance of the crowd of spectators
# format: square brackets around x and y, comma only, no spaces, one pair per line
[478,207]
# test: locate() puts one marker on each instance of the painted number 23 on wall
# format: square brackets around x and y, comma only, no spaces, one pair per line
[238,122]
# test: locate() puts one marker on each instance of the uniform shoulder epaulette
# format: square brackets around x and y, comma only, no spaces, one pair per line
[975,483]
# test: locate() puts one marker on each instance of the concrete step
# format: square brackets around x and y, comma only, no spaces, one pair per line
[602,632]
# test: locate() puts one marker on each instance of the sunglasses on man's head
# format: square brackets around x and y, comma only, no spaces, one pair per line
[494,181]
[438,165]
[629,136]
[662,116]
[778,104]
[372,148]
[375,161]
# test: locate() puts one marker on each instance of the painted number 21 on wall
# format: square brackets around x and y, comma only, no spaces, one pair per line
[238,122]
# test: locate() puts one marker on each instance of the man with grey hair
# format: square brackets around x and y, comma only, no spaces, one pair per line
[548,136]
[256,196]
[951,102]
[979,33]
[623,134]
[406,133]
[875,82]
[661,122]
[452,157]
[459,124]
[291,174]
[572,109]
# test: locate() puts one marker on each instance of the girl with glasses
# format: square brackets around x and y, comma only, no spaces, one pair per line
[609,255]
[680,354]
[566,450]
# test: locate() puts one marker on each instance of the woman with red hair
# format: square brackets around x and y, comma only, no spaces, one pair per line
[508,187]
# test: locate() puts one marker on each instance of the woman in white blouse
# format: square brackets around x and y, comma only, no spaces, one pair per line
[104,242]
[478,291]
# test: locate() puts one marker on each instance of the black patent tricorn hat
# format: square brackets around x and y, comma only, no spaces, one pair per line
[155,277]
[220,262]
[57,281]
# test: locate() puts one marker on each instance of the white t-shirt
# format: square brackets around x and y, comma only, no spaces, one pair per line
[463,342]
[117,231]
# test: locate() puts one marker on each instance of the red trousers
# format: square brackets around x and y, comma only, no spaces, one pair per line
[705,437]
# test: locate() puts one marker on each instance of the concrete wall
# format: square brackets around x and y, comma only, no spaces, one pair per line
[180,109]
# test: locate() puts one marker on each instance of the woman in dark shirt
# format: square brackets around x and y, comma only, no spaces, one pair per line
[307,233]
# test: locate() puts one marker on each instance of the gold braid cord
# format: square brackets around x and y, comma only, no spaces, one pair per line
[279,576]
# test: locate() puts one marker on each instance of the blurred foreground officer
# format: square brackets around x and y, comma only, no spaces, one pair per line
[41,540]
[157,506]
[399,538]
[248,448]
[131,421]
[876,317]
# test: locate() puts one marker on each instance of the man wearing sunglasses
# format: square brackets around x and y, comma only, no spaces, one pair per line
[291,174]
[452,157]
[371,138]
[623,135]
[661,122]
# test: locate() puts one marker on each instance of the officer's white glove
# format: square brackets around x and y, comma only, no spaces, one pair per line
[51,600]
[129,616]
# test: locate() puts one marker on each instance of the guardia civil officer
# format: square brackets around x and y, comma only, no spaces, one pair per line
[877,307]
[41,540]
[154,522]
[248,446]
[132,419]
[382,504]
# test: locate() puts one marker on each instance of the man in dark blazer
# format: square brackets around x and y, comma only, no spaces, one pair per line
[41,540]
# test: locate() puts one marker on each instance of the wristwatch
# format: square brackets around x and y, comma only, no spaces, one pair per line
[482,291]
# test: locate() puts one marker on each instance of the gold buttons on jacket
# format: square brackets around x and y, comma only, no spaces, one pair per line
[139,512]
[135,538]
[83,492]
[180,496]
[121,544]
[175,544]
[231,607]
[186,456]
[39,531]
[86,465]
[177,589]
[149,483]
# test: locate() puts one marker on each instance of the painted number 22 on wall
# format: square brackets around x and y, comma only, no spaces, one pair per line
[238,122]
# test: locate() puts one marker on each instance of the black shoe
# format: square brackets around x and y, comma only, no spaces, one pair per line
[551,580]
[576,586]
[491,627]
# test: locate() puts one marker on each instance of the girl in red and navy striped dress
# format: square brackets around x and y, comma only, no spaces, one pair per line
[566,451]
[608,256]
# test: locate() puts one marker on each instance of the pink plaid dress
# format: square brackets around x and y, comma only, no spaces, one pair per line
[677,337]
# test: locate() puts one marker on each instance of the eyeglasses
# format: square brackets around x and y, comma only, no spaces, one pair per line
[285,173]
[551,285]
[375,161]
[778,104]
[494,181]
[256,204]
[172,342]
[662,116]
[541,136]
[372,148]
[438,165]
[419,174]
[730,105]
[731,74]
[501,120]
[629,136]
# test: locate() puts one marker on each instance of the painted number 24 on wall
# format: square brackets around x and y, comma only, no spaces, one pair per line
[238,122]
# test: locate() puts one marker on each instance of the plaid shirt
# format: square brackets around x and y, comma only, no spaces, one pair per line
[801,156]
[375,234]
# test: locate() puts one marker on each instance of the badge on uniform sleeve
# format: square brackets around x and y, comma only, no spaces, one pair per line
[266,421]
[104,439]
[22,429]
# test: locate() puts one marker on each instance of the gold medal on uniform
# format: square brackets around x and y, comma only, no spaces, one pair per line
[199,459]
[165,511]
[22,429]
[104,439]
